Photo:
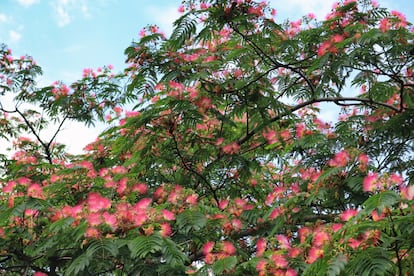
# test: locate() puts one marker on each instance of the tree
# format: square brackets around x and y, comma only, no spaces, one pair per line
[223,165]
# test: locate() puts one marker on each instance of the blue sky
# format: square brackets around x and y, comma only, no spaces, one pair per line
[65,36]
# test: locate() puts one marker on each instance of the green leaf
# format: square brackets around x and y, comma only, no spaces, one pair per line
[225,264]
[337,265]
[328,173]
[61,224]
[372,261]
[172,254]
[142,246]
[191,221]
[185,26]
[78,265]
[380,201]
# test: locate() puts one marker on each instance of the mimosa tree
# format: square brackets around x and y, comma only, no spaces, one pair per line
[217,159]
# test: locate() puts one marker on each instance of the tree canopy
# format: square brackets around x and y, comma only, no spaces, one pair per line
[219,158]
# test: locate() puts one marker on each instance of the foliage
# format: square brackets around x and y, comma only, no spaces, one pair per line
[225,165]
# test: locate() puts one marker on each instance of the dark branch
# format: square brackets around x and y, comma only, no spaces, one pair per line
[44,145]
[336,100]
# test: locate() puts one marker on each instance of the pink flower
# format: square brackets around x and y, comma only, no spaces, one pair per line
[9,187]
[320,238]
[223,204]
[396,179]
[165,229]
[141,188]
[119,170]
[275,213]
[300,130]
[168,215]
[31,212]
[337,38]
[192,199]
[236,224]
[370,182]
[209,259]
[92,232]
[314,254]
[176,85]
[231,148]
[110,219]
[154,29]
[35,191]
[155,99]
[9,58]
[340,159]
[228,248]
[210,59]
[143,204]
[270,136]
[181,9]
[279,260]
[384,25]
[139,217]
[348,2]
[291,272]
[348,214]
[363,161]
[219,141]
[24,181]
[86,164]
[94,219]
[354,243]
[96,202]
[204,6]
[87,72]
[261,266]
[207,248]
[336,227]
[132,113]
[407,192]
[376,216]
[122,186]
[38,273]
[256,11]
[142,33]
[204,103]
[284,241]
[324,48]
[399,15]
[294,252]
[260,246]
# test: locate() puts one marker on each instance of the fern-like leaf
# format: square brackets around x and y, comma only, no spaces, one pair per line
[142,246]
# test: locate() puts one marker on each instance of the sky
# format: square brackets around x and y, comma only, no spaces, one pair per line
[66,36]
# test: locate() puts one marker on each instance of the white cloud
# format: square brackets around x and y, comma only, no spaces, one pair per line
[3,18]
[65,10]
[63,17]
[14,36]
[27,3]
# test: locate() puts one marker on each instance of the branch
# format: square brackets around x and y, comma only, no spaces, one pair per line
[396,244]
[276,63]
[190,168]
[58,130]
[336,100]
[44,145]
